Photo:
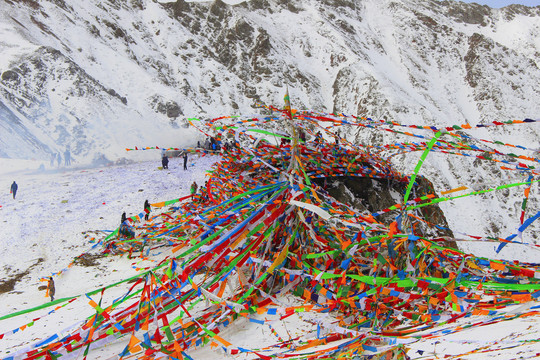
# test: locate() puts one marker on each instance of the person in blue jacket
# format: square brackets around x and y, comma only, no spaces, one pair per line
[14,188]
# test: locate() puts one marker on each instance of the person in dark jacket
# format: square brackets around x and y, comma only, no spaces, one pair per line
[302,135]
[165,162]
[50,288]
[146,209]
[67,157]
[185,160]
[125,230]
[13,189]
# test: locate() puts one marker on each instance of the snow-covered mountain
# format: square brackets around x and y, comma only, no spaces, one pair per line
[100,76]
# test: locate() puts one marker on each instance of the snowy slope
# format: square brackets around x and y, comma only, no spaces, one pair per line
[45,227]
[53,219]
[100,76]
[97,76]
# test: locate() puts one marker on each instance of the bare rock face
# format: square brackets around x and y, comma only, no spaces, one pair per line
[170,108]
[180,7]
[344,59]
[512,11]
[473,14]
[372,195]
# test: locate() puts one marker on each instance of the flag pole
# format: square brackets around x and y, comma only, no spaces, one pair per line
[293,165]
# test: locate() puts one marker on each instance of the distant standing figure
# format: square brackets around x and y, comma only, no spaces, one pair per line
[13,189]
[303,136]
[59,159]
[194,187]
[53,157]
[185,160]
[318,138]
[50,288]
[165,162]
[146,210]
[67,157]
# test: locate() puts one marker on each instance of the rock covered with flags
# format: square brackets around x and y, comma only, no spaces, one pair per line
[263,240]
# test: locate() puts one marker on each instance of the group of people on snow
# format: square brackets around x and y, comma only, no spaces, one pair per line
[210,144]
[58,158]
[125,229]
[165,159]
[203,193]
[215,145]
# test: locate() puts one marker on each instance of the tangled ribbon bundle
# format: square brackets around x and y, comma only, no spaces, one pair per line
[263,230]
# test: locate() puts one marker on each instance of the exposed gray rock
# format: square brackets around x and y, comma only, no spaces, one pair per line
[372,195]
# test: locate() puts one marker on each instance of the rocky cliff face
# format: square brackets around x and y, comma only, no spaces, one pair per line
[414,61]
[99,76]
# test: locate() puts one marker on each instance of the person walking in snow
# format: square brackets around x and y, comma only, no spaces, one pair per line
[13,189]
[185,160]
[50,288]
[59,159]
[165,162]
[53,157]
[146,210]
[194,187]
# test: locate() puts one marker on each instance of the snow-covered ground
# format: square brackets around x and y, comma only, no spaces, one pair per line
[52,220]
[54,206]
[45,227]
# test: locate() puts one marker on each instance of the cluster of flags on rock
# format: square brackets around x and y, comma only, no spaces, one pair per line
[260,230]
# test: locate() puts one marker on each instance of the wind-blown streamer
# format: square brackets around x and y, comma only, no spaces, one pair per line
[262,229]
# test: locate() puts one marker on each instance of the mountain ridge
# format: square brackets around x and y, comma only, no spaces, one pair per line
[102,76]
[373,59]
